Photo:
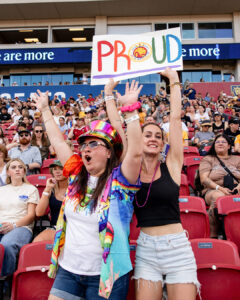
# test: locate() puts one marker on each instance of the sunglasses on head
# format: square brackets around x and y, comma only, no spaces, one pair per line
[24,134]
[38,131]
[91,145]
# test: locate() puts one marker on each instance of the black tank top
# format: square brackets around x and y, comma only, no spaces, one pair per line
[55,206]
[162,207]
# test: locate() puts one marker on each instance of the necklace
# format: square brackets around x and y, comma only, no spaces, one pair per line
[155,171]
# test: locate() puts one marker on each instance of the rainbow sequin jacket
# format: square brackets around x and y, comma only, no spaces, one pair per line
[114,217]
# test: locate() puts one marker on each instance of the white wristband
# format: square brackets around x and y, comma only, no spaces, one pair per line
[131,119]
[107,98]
[217,187]
[14,225]
[45,193]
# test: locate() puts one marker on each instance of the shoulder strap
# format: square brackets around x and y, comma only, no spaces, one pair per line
[226,169]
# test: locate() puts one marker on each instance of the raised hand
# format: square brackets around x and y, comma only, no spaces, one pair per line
[131,94]
[109,87]
[41,100]
[170,74]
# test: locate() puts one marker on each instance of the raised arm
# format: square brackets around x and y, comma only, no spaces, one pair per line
[132,160]
[175,156]
[113,114]
[55,136]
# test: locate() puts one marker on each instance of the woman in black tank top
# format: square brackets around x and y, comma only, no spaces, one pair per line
[163,250]
[52,197]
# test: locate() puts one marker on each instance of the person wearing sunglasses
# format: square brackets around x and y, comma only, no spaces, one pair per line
[91,258]
[213,176]
[29,154]
[40,140]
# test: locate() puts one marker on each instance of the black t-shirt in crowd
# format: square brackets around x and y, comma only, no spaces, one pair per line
[5,117]
[231,134]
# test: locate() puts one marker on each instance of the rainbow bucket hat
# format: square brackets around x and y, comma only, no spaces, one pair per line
[104,131]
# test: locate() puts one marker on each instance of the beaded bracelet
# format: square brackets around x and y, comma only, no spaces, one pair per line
[132,107]
[175,83]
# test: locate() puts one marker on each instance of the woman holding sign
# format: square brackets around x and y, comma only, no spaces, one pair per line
[164,254]
[90,258]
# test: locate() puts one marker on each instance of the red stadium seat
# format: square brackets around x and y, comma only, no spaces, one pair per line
[39,180]
[30,281]
[214,251]
[190,151]
[1,257]
[184,188]
[45,165]
[194,216]
[134,230]
[229,208]
[190,133]
[219,281]
[191,164]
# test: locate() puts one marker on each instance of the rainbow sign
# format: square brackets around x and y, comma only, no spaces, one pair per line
[127,56]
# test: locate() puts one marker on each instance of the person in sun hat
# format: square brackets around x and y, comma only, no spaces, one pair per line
[52,197]
[91,258]
[204,136]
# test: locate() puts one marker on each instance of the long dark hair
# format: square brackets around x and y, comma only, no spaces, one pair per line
[44,140]
[81,180]
[212,150]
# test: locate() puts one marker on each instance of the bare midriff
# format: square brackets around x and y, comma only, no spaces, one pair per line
[163,230]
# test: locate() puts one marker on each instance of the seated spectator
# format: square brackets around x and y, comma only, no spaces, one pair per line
[186,119]
[52,197]
[191,113]
[204,137]
[201,115]
[17,205]
[40,140]
[237,144]
[21,126]
[30,155]
[212,176]
[190,92]
[3,139]
[3,161]
[233,129]
[77,129]
[63,126]
[218,125]
[28,121]
[221,110]
[5,117]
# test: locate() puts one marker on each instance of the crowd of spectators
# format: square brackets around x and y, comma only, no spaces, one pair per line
[23,135]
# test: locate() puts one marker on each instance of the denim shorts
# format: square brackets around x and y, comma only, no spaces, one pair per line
[168,258]
[71,286]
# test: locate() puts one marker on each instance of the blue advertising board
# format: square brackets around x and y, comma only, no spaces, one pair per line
[23,92]
[81,55]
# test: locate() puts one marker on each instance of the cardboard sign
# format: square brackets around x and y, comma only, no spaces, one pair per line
[128,56]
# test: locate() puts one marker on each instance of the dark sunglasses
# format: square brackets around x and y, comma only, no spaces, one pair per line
[24,135]
[91,145]
[38,131]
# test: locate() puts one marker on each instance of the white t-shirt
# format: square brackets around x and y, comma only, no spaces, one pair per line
[3,177]
[82,252]
[14,202]
[165,127]
[200,118]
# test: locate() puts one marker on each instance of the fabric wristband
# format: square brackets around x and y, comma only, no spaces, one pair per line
[131,108]
[45,193]
[108,98]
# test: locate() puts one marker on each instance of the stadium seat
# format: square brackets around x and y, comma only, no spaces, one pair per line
[194,216]
[218,269]
[190,133]
[191,165]
[1,256]
[45,165]
[190,151]
[212,251]
[30,281]
[229,208]
[184,188]
[39,180]
[219,281]
[134,230]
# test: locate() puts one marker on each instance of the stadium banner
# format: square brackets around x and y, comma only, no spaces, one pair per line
[128,56]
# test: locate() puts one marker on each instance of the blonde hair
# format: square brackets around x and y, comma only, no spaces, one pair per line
[8,179]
